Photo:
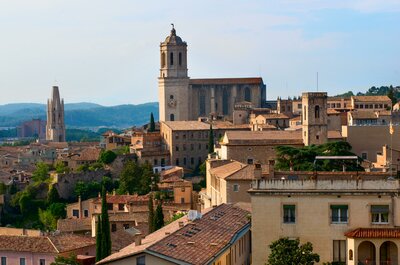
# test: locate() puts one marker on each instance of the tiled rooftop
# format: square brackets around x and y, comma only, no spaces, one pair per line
[372,98]
[374,233]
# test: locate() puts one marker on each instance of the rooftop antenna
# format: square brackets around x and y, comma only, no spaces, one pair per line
[317,81]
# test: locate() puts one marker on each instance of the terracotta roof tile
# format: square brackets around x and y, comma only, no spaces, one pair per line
[266,136]
[372,98]
[374,233]
[69,242]
[26,244]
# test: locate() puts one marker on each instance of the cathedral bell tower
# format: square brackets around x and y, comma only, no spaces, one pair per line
[173,82]
[314,118]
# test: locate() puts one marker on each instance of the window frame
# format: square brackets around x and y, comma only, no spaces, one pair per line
[379,213]
[291,210]
[339,207]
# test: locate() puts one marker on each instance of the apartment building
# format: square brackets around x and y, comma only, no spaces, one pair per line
[353,220]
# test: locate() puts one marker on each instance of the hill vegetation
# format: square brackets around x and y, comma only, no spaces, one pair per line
[81,115]
[391,91]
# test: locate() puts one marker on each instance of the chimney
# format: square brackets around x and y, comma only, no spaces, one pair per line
[138,239]
[257,171]
[80,206]
[114,192]
[271,164]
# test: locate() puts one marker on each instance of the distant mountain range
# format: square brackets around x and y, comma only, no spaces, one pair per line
[82,115]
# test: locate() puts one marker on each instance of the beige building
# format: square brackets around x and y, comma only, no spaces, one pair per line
[278,120]
[350,220]
[371,117]
[187,141]
[227,182]
[251,147]
[314,118]
[182,98]
[367,141]
[220,236]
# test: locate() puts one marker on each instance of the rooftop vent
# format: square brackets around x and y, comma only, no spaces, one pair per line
[194,215]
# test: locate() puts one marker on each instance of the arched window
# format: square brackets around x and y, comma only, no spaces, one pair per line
[171,117]
[163,59]
[247,94]
[171,96]
[317,112]
[171,58]
[180,58]
[305,113]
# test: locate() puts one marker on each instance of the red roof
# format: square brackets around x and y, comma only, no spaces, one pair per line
[374,233]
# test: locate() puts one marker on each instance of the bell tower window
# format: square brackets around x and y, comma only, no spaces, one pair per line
[163,59]
[171,58]
[317,112]
[180,58]
[171,117]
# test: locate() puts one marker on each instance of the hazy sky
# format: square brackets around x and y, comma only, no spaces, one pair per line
[107,52]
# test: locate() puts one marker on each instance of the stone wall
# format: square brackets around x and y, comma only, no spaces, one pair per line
[65,183]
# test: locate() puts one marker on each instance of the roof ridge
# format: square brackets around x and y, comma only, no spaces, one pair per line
[51,242]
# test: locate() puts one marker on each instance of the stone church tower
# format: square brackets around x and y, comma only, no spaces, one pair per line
[55,128]
[173,82]
[314,118]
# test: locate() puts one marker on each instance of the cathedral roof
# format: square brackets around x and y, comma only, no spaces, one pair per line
[227,81]
[173,38]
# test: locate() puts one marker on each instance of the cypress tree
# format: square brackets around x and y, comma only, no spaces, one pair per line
[152,123]
[158,218]
[211,140]
[151,215]
[105,227]
[98,239]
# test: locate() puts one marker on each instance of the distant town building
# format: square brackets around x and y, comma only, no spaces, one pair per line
[182,98]
[55,128]
[36,128]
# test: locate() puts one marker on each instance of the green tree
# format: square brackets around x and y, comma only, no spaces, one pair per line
[58,210]
[211,140]
[152,127]
[99,240]
[60,260]
[107,157]
[41,172]
[158,217]
[105,227]
[61,168]
[391,95]
[285,251]
[47,219]
[303,158]
[151,215]
[53,196]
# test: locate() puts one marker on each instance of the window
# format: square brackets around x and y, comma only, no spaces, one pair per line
[289,214]
[364,155]
[141,260]
[182,200]
[305,113]
[192,160]
[171,96]
[3,261]
[163,59]
[235,187]
[109,206]
[155,162]
[177,162]
[162,162]
[113,227]
[177,148]
[380,214]
[184,161]
[22,261]
[180,58]
[247,94]
[339,250]
[75,213]
[121,206]
[339,213]
[317,112]
[86,213]
[171,58]
[42,262]
[171,117]
[184,147]
[126,226]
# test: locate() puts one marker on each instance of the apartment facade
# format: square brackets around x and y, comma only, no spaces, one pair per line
[347,220]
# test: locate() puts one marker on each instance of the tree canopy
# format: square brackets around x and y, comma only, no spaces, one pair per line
[302,159]
[289,252]
[107,157]
[137,178]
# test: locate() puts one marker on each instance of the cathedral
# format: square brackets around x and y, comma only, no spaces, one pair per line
[182,98]
[55,128]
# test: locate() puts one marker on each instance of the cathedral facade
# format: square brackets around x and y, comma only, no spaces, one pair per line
[182,98]
[55,127]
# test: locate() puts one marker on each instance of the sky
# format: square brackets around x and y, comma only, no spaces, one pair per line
[107,52]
